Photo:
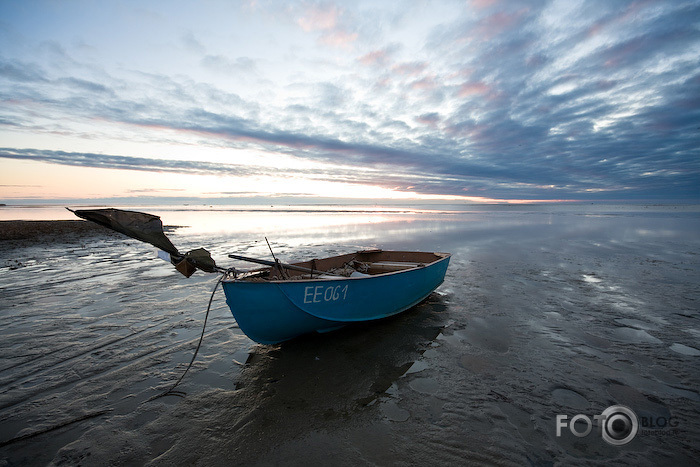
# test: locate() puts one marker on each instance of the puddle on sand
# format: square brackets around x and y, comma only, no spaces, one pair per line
[424,385]
[643,405]
[417,367]
[570,398]
[685,350]
[490,333]
[634,336]
[393,412]
[637,324]
[476,363]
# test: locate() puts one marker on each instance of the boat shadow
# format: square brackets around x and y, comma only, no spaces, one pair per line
[344,370]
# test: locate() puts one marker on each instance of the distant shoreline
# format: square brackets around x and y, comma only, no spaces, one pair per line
[22,233]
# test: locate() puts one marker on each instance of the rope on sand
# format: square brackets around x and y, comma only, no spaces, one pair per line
[171,391]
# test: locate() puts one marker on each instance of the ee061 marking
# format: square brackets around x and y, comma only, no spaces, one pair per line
[323,293]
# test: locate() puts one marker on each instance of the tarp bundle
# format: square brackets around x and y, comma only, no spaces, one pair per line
[149,229]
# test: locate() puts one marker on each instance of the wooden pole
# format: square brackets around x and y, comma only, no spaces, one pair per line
[288,266]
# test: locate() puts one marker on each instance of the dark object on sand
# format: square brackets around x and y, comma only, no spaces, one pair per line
[283,301]
[149,229]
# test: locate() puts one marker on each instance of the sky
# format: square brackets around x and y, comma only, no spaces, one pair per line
[481,100]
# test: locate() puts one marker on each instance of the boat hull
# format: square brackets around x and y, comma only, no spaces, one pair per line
[270,312]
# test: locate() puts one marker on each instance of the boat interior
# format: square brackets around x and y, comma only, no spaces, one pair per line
[359,264]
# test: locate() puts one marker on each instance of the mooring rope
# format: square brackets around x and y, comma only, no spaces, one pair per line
[171,391]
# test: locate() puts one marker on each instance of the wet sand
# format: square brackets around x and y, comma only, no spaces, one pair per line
[32,232]
[543,312]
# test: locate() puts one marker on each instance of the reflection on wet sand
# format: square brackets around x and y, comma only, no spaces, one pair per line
[349,367]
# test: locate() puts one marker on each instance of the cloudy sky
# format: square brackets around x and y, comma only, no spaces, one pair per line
[473,100]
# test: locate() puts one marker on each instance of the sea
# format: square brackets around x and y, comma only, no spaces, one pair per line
[562,334]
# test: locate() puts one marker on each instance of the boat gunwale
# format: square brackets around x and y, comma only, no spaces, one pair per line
[442,257]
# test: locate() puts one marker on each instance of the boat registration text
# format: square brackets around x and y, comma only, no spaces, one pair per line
[322,293]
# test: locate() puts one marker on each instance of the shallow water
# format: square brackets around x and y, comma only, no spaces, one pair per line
[545,311]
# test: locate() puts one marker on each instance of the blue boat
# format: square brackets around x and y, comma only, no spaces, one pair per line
[284,301]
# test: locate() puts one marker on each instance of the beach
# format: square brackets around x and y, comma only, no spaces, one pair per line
[546,311]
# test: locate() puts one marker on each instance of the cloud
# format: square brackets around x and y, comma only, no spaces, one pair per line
[85,85]
[496,24]
[331,22]
[226,65]
[150,191]
[501,99]
[410,68]
[22,72]
[189,167]
[431,119]
[375,58]
[192,44]
[470,89]
[322,17]
[104,161]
